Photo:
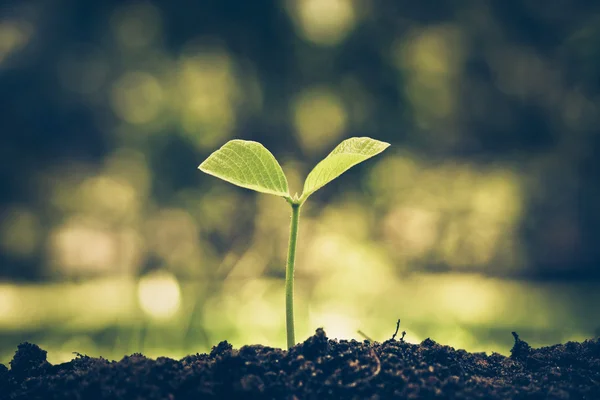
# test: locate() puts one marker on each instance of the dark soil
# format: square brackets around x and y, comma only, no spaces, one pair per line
[319,368]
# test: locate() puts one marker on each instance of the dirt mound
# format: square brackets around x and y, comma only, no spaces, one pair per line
[319,368]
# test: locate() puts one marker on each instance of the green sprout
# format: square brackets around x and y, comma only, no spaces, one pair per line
[250,165]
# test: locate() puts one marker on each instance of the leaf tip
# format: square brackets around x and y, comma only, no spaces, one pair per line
[383,144]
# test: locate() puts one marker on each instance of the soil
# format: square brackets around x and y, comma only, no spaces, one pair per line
[319,368]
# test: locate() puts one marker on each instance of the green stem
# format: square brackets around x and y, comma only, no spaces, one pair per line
[289,275]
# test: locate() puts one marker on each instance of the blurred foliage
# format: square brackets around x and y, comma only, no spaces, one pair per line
[109,235]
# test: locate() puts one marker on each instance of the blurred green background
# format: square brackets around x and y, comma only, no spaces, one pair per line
[482,218]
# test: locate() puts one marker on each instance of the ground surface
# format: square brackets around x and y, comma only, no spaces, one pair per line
[319,368]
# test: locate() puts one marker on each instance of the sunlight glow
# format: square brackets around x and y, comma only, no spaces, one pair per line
[82,246]
[248,310]
[468,300]
[459,215]
[9,303]
[337,320]
[93,304]
[101,212]
[159,295]
[258,306]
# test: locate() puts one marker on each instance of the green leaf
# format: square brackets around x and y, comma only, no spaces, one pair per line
[247,164]
[346,155]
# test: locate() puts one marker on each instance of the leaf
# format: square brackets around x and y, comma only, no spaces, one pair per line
[247,164]
[346,155]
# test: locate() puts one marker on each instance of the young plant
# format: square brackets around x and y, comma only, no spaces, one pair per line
[250,165]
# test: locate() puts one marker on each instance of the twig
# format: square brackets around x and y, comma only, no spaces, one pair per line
[361,333]
[395,333]
[397,327]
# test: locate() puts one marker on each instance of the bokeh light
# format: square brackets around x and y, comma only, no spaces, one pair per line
[19,231]
[137,25]
[319,118]
[159,295]
[9,303]
[457,215]
[431,58]
[14,36]
[324,22]
[208,94]
[83,245]
[137,97]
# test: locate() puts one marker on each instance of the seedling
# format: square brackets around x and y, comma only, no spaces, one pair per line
[250,165]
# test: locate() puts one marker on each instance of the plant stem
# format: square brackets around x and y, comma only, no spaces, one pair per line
[289,275]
